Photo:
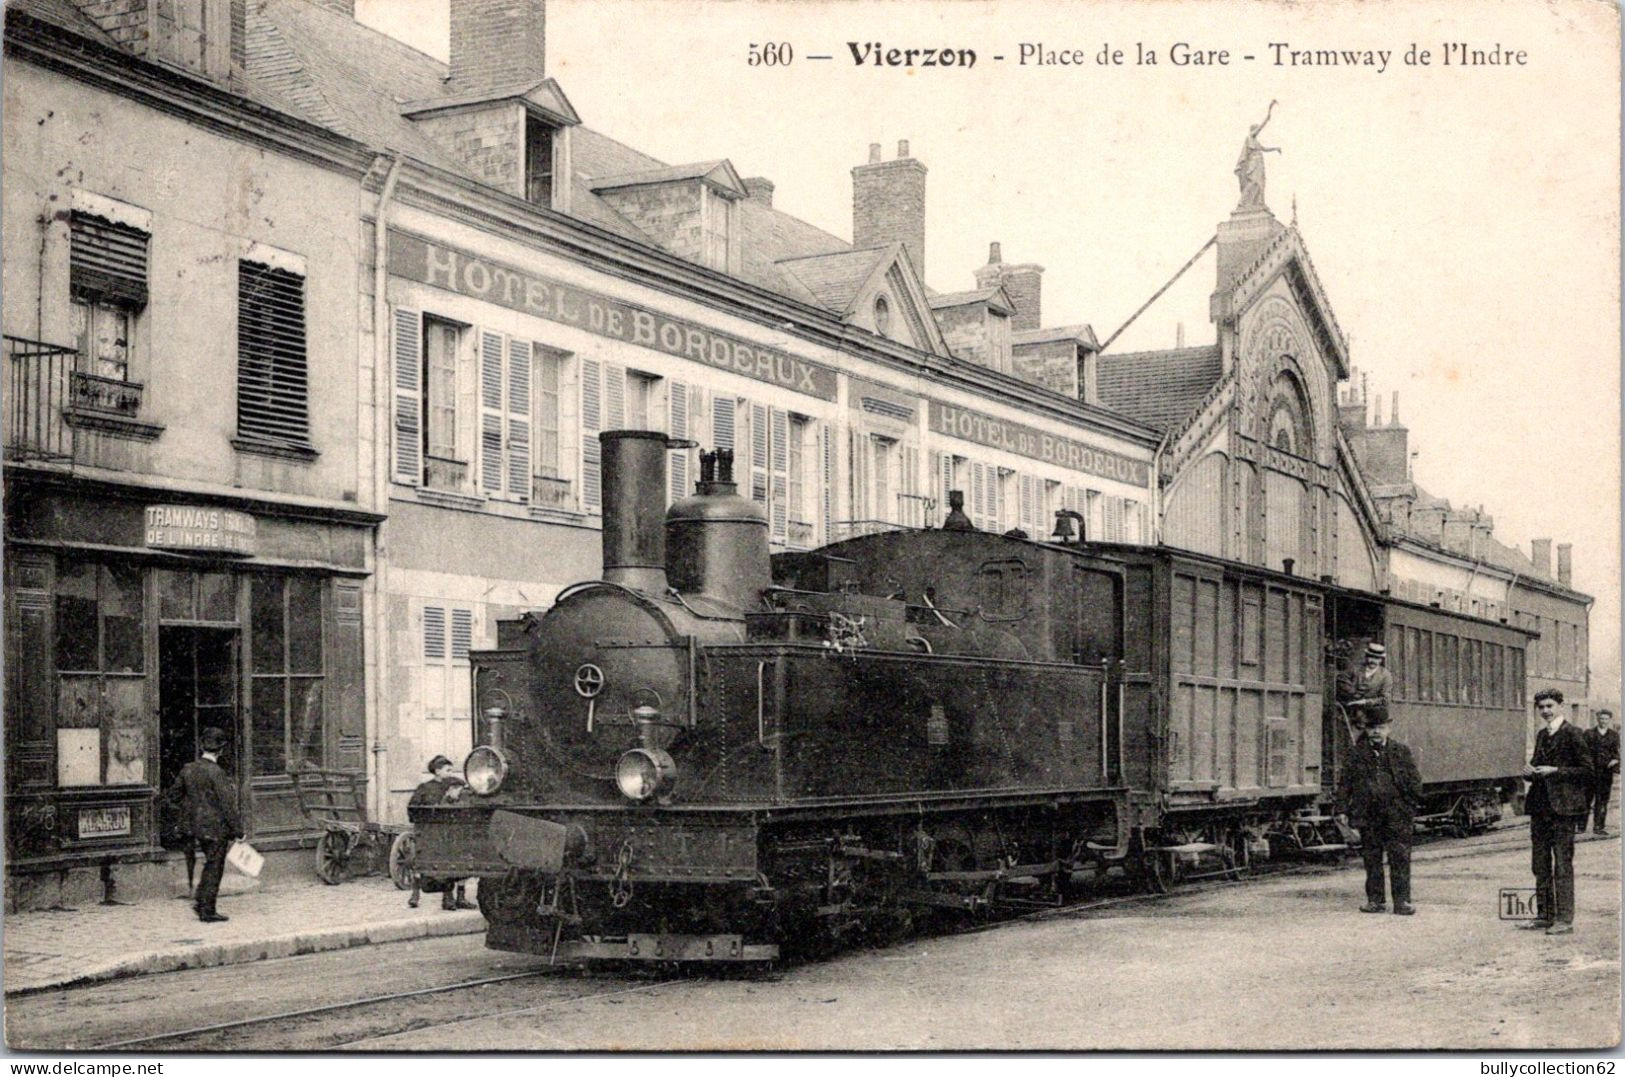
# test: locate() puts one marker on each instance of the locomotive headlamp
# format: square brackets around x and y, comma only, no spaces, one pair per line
[645,772]
[485,769]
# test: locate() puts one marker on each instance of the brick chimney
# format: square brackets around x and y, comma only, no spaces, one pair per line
[759,189]
[1540,552]
[888,203]
[496,45]
[1565,564]
[1024,283]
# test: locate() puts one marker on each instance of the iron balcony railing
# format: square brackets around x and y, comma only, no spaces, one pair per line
[49,394]
[39,388]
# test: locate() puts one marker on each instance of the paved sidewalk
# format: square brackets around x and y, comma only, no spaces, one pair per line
[101,942]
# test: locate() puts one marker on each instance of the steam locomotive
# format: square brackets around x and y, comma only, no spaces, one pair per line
[710,754]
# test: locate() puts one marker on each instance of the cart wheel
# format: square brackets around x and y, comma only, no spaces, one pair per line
[333,857]
[403,854]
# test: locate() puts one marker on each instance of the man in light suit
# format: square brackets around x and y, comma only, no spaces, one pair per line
[211,808]
[1560,780]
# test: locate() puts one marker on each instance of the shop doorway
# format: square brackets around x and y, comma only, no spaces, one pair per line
[197,688]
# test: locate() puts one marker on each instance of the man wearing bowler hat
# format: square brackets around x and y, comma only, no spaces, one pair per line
[1378,795]
[211,807]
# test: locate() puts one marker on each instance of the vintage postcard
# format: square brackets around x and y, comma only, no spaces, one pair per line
[671,525]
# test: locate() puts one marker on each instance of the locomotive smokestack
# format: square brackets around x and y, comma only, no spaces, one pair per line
[634,502]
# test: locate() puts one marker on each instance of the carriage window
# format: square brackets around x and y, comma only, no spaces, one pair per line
[1424,667]
[1396,662]
[1517,658]
[1497,674]
[1413,649]
[1447,668]
[1001,588]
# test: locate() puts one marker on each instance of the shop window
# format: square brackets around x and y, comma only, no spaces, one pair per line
[287,723]
[99,651]
[272,379]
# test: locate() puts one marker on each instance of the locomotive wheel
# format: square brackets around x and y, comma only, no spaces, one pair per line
[1149,864]
[403,854]
[333,857]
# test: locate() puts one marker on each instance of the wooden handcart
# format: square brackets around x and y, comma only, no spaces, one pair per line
[351,843]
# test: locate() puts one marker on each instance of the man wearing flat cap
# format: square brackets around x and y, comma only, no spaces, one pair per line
[211,808]
[1367,694]
[443,787]
[1378,795]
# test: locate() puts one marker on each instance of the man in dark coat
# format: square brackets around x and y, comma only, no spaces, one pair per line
[1605,762]
[210,800]
[1378,795]
[443,788]
[1560,778]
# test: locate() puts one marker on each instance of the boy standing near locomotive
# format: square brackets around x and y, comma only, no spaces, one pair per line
[1560,779]
[1378,795]
[443,788]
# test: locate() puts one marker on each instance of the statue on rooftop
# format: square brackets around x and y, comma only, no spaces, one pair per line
[1250,165]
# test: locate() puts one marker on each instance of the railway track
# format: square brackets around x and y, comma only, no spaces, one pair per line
[1431,848]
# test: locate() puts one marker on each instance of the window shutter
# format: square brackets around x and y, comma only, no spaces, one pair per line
[491,413]
[1029,508]
[519,471]
[107,261]
[614,397]
[434,632]
[978,496]
[272,382]
[758,451]
[826,439]
[462,634]
[408,397]
[722,421]
[858,458]
[778,464]
[592,421]
[914,512]
[934,461]
[677,406]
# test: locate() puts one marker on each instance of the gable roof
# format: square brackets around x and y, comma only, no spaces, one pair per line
[1158,388]
[718,173]
[63,13]
[995,297]
[1083,334]
[835,278]
[1286,255]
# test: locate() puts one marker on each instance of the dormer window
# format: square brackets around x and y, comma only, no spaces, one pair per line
[714,226]
[539,138]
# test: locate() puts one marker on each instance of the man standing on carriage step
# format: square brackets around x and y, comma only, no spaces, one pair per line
[1605,760]
[1366,692]
[1378,795]
[1560,778]
[211,809]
